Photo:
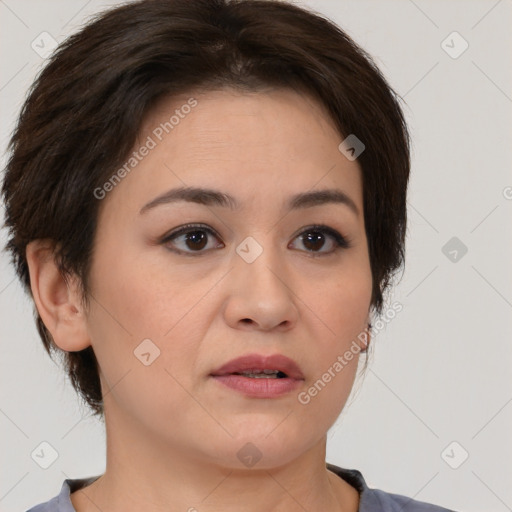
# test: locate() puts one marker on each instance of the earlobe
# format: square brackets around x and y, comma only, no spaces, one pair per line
[366,337]
[57,299]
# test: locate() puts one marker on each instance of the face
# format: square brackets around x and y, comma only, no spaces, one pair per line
[255,279]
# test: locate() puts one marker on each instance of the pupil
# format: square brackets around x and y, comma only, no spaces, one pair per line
[198,238]
[316,238]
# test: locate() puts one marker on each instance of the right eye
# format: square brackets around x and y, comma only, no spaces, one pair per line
[190,239]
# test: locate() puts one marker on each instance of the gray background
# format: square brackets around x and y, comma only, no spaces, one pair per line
[441,368]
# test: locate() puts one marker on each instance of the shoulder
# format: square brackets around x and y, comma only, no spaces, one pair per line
[376,500]
[62,502]
[48,506]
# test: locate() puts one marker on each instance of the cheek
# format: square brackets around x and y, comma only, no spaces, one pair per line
[324,397]
[136,300]
[137,311]
[141,370]
[152,394]
[339,312]
[340,305]
[340,315]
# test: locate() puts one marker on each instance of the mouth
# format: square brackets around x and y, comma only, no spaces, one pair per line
[260,376]
[259,366]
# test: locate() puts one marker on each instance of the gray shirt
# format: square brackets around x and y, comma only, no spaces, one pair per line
[370,500]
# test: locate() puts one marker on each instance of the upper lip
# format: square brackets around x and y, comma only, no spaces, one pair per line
[261,362]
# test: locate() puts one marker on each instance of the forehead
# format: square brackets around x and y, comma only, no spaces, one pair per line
[270,143]
[222,117]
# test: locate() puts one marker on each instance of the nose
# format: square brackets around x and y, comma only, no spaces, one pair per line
[261,290]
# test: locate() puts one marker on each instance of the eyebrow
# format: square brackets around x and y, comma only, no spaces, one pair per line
[211,197]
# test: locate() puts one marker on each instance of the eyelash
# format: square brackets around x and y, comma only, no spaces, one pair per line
[340,241]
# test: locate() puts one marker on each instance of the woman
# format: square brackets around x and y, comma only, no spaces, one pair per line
[207,202]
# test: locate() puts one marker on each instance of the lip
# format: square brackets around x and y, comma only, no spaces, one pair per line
[261,362]
[260,387]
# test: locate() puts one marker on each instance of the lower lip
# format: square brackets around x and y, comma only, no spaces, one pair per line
[258,388]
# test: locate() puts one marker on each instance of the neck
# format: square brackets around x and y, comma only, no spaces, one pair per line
[145,474]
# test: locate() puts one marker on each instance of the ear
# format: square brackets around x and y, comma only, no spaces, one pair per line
[366,336]
[57,300]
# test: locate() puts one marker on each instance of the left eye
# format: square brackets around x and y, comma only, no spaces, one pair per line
[195,238]
[315,237]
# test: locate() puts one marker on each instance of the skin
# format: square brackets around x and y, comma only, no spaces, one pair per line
[173,432]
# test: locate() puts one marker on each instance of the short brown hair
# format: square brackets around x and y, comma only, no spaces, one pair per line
[85,108]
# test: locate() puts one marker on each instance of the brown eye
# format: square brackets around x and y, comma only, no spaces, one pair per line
[313,240]
[194,238]
[317,237]
[190,239]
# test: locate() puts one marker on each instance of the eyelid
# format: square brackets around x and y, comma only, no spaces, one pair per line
[341,241]
[344,241]
[186,228]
